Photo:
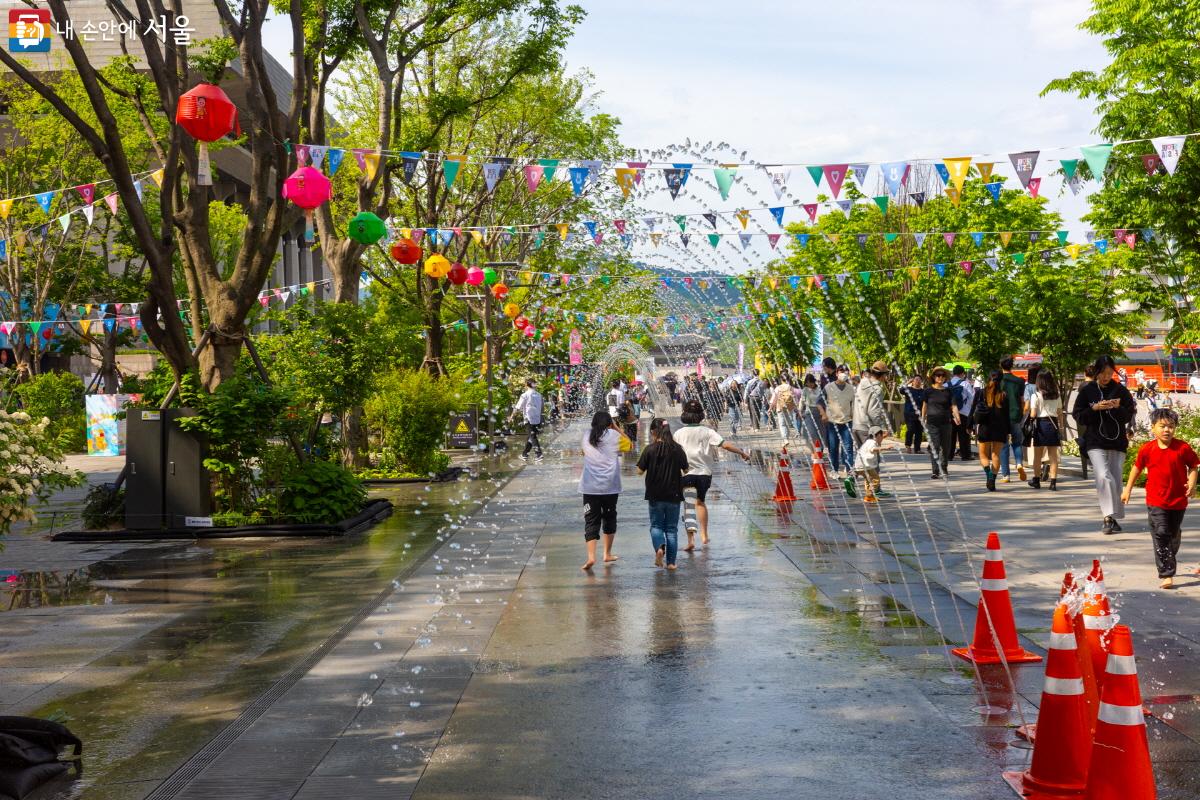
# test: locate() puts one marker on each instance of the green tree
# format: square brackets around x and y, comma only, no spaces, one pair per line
[1148,90]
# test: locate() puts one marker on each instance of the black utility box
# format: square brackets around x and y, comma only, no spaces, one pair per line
[166,485]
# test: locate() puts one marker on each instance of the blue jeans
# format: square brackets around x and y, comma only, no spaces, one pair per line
[735,417]
[664,527]
[811,421]
[841,445]
[1018,441]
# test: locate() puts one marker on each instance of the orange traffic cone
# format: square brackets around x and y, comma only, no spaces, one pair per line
[783,480]
[1097,624]
[1120,767]
[819,479]
[1063,748]
[994,621]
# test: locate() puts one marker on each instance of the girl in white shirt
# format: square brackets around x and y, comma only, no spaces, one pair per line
[1045,408]
[600,485]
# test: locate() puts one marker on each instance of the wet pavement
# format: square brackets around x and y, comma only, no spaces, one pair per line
[804,653]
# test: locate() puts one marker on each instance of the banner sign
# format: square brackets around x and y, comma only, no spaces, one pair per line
[464,429]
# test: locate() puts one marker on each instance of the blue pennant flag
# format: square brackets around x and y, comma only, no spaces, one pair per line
[894,174]
[941,270]
[745,239]
[794,280]
[3,250]
[994,188]
[777,213]
[978,237]
[943,172]
[1148,234]
[578,179]
[627,240]
[45,199]
[335,155]
[1102,246]
[446,236]
[802,238]
[591,228]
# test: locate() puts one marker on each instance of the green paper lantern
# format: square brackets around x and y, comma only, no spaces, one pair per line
[366,228]
[490,276]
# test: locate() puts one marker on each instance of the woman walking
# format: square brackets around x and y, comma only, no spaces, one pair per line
[939,416]
[993,427]
[813,410]
[1106,408]
[914,399]
[600,485]
[1045,409]
[783,406]
[663,462]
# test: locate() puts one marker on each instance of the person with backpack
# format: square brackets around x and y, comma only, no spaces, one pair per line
[1045,410]
[784,405]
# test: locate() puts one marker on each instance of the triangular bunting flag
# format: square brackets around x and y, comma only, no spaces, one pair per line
[815,173]
[835,174]
[977,237]
[1024,164]
[895,173]
[777,213]
[548,165]
[1062,237]
[1005,237]
[918,198]
[336,154]
[779,178]
[533,176]
[1096,156]
[882,202]
[994,189]
[958,169]
[579,176]
[865,277]
[920,238]
[985,169]
[943,173]
[1069,165]
[860,174]
[743,216]
[681,221]
[811,210]
[1169,148]
[626,180]
[861,238]
[745,239]
[111,201]
[949,238]
[714,239]
[1151,162]
[711,219]
[954,194]
[45,199]
[724,178]
[940,269]
[87,191]
[773,239]
[1035,184]
[846,206]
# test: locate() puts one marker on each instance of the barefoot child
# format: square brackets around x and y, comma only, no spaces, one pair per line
[663,462]
[600,485]
[1170,466]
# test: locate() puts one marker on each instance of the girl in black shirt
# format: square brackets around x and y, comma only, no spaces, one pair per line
[664,464]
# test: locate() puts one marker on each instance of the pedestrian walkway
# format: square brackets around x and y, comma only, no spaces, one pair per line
[500,669]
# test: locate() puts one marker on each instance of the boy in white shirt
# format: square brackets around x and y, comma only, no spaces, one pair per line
[866,464]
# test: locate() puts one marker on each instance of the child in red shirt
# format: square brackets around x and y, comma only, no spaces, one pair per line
[1171,468]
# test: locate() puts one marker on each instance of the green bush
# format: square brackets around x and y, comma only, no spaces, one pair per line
[58,396]
[410,409]
[103,507]
[319,491]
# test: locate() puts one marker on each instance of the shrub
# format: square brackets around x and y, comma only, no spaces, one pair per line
[58,396]
[30,467]
[411,408]
[104,506]
[319,491]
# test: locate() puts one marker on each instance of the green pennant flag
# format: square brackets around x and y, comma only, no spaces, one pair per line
[450,171]
[1019,258]
[548,166]
[866,278]
[890,237]
[537,240]
[1062,237]
[1097,158]
[724,176]
[681,221]
[816,173]
[35,327]
[1068,166]
[882,202]
[604,279]
[714,239]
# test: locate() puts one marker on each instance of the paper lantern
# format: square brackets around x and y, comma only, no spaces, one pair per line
[474,276]
[207,114]
[499,290]
[511,310]
[437,266]
[457,274]
[406,251]
[530,331]
[307,188]
[366,228]
[547,333]
[490,276]
[520,323]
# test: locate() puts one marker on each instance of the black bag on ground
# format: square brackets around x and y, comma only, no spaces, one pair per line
[29,750]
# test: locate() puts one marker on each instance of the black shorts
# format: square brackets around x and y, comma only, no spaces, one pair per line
[700,483]
[599,511]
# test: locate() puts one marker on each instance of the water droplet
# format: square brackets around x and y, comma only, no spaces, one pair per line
[1168,716]
[374,676]
[378,646]
[417,669]
[365,700]
[398,733]
[414,703]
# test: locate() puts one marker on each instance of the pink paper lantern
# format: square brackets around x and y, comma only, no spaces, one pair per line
[474,276]
[307,188]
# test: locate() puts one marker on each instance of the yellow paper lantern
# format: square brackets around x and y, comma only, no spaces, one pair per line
[437,266]
[512,310]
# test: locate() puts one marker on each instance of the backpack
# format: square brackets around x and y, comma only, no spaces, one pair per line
[789,398]
[29,750]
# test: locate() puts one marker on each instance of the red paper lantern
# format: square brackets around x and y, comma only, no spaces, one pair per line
[457,274]
[499,291]
[530,331]
[307,188]
[406,251]
[520,323]
[207,114]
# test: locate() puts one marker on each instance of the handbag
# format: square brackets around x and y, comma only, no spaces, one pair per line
[1029,427]
[624,443]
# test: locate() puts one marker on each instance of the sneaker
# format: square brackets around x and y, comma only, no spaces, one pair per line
[870,499]
[848,485]
[1035,482]
[1116,526]
[1021,472]
[882,493]
[935,476]
[1005,479]
[1166,583]
[524,456]
[1107,528]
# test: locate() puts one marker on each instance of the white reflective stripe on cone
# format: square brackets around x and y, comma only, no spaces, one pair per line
[1062,641]
[1097,623]
[993,555]
[994,585]
[1121,715]
[1120,665]
[1063,686]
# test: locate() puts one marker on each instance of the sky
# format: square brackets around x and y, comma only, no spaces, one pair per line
[828,82]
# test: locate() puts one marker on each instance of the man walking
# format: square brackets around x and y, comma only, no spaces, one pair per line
[1014,387]
[754,393]
[964,399]
[529,404]
[839,414]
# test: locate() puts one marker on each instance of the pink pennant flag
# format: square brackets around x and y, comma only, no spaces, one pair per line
[949,237]
[1151,163]
[1034,185]
[1130,239]
[418,234]
[88,192]
[967,266]
[111,201]
[836,175]
[619,224]
[7,327]
[773,238]
[457,232]
[533,176]
[811,210]
[639,167]
[598,238]
[302,156]
[360,156]
[263,299]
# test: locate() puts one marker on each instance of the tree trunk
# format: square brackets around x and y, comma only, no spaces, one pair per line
[343,263]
